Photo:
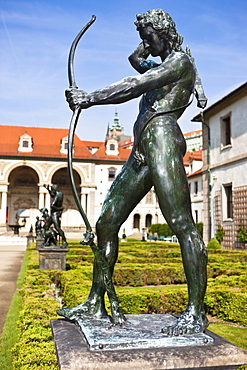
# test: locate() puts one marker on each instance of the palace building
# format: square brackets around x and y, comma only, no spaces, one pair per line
[33,156]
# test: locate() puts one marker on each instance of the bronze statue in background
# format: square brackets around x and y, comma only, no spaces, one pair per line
[56,212]
[156,160]
[48,232]
[38,228]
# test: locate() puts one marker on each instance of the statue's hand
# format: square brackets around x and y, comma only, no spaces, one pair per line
[77,98]
[202,102]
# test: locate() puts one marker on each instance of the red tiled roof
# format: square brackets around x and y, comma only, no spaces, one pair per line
[47,143]
[196,155]
[195,173]
[123,154]
[196,132]
[126,143]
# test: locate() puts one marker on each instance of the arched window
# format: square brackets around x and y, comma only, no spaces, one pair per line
[111,174]
[136,221]
[148,222]
[112,146]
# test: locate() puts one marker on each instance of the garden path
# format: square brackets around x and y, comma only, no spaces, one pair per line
[12,250]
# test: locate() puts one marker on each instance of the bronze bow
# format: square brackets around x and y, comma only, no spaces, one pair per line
[100,259]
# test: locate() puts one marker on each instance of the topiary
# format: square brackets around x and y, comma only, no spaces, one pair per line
[213,244]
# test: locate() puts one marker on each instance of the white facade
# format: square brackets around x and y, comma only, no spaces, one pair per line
[193,140]
[24,169]
[37,156]
[225,166]
[196,196]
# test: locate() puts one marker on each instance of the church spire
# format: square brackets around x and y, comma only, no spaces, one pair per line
[116,124]
[115,130]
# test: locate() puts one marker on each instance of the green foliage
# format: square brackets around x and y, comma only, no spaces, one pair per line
[219,234]
[199,226]
[213,244]
[149,301]
[35,348]
[227,304]
[149,278]
[232,334]
[242,234]
[10,333]
[161,230]
[151,274]
[164,229]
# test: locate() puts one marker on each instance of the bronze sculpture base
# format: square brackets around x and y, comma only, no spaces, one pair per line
[140,331]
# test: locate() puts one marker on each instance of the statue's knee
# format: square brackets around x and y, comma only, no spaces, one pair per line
[106,224]
[99,225]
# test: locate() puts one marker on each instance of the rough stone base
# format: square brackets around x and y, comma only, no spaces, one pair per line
[39,241]
[52,258]
[73,353]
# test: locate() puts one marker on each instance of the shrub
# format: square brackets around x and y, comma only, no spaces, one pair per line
[140,264]
[199,226]
[213,244]
[161,230]
[242,234]
[219,234]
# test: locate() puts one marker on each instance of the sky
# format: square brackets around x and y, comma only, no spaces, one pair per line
[35,38]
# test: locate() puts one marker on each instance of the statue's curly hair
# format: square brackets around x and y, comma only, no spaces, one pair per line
[163,24]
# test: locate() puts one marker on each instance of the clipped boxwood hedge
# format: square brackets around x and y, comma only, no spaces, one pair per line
[149,279]
[35,348]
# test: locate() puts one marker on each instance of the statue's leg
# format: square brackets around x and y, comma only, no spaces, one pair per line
[57,227]
[127,190]
[165,160]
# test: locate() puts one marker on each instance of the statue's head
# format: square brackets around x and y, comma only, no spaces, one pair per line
[54,187]
[44,210]
[163,24]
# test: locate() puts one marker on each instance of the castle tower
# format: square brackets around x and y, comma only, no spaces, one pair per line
[115,131]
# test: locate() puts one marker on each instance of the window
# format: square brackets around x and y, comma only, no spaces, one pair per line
[149,197]
[196,188]
[111,174]
[148,222]
[25,143]
[136,221]
[196,216]
[64,145]
[112,146]
[226,130]
[227,201]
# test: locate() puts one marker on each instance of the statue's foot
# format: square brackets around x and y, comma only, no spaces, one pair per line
[117,318]
[65,245]
[87,308]
[187,323]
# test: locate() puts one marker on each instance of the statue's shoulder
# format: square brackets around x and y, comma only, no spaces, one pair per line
[178,57]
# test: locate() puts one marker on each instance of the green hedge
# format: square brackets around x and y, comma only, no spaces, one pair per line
[139,265]
[35,348]
[227,304]
[164,229]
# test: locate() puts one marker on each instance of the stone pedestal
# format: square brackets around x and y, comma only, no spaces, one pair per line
[52,258]
[73,352]
[30,239]
[39,241]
